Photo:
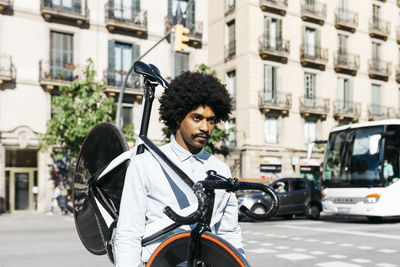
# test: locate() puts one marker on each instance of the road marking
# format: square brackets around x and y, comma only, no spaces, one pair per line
[337,264]
[281,236]
[361,260]
[387,250]
[296,238]
[328,243]
[299,249]
[266,244]
[260,250]
[269,235]
[365,247]
[384,264]
[318,252]
[337,256]
[295,256]
[346,245]
[281,247]
[253,241]
[396,237]
[311,240]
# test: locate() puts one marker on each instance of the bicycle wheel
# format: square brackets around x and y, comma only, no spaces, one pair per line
[214,251]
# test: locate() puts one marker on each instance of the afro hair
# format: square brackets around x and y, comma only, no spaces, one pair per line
[189,91]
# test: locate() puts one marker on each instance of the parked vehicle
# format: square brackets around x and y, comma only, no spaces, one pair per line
[297,196]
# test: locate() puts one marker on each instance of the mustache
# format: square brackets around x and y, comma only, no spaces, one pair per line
[206,135]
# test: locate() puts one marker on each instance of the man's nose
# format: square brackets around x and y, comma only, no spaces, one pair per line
[204,126]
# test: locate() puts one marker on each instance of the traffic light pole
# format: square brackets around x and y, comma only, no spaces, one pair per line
[121,93]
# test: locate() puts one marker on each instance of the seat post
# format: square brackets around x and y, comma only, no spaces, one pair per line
[148,102]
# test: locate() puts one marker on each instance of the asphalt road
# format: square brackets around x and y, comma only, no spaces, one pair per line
[48,241]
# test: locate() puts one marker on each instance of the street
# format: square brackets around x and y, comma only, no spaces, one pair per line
[41,240]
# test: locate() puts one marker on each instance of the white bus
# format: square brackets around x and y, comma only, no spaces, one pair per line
[361,168]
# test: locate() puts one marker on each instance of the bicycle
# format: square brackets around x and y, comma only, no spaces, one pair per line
[97,189]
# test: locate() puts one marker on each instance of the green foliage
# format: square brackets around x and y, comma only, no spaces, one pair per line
[203,68]
[129,133]
[80,106]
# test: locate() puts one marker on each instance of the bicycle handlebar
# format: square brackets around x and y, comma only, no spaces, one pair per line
[230,185]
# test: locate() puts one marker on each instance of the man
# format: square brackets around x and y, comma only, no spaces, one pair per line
[190,109]
[387,171]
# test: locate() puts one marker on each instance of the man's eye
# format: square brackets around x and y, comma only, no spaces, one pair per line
[197,118]
[212,120]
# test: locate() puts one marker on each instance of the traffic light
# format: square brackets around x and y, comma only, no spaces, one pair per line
[180,38]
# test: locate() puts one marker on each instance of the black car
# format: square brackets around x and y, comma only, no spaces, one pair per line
[297,196]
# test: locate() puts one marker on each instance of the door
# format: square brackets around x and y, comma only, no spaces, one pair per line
[269,85]
[309,90]
[310,42]
[21,191]
[61,56]
[299,194]
[281,188]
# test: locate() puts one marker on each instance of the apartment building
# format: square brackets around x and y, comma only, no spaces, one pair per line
[296,69]
[45,44]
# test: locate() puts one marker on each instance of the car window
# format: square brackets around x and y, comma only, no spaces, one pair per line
[299,185]
[281,187]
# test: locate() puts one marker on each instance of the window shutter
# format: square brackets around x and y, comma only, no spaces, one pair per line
[190,14]
[135,8]
[318,43]
[78,6]
[169,8]
[267,22]
[111,7]
[279,35]
[111,62]
[135,57]
[268,82]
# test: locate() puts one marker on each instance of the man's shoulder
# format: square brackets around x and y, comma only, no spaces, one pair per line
[219,166]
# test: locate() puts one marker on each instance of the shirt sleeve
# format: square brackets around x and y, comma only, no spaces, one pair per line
[132,218]
[228,227]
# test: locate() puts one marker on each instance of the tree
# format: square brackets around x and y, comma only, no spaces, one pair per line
[75,111]
[219,140]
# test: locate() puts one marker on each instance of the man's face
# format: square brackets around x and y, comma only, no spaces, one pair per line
[195,129]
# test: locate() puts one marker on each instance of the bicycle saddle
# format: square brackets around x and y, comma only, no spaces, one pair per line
[151,72]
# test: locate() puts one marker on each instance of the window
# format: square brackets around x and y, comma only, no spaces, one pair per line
[345,94]
[309,89]
[120,58]
[375,99]
[231,39]
[299,185]
[273,33]
[230,127]
[342,44]
[126,114]
[179,13]
[61,56]
[181,62]
[232,84]
[271,130]
[269,83]
[125,10]
[375,50]
[70,5]
[311,42]
[310,131]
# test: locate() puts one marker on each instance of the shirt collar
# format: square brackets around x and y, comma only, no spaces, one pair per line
[183,154]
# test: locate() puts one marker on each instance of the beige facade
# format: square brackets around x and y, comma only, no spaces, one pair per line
[300,69]
[30,34]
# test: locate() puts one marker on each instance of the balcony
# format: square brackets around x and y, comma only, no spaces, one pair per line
[114,80]
[317,108]
[124,21]
[346,20]
[6,6]
[76,14]
[313,12]
[346,110]
[273,49]
[195,34]
[379,70]
[398,34]
[313,57]
[230,51]
[379,29]
[51,76]
[377,112]
[398,3]
[7,69]
[392,113]
[398,74]
[230,6]
[277,103]
[346,63]
[274,6]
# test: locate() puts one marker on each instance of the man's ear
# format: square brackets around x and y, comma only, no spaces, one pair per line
[178,123]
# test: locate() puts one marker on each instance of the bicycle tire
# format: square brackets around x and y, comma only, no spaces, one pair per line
[214,251]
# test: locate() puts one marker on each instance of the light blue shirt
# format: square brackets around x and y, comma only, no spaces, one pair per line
[148,189]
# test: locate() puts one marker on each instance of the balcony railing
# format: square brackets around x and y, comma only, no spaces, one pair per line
[398,73]
[115,78]
[77,12]
[379,29]
[346,20]
[313,11]
[274,6]
[230,6]
[195,34]
[346,63]
[273,49]
[124,20]
[313,56]
[392,113]
[5,5]
[316,107]
[7,69]
[279,103]
[51,76]
[378,69]
[398,3]
[377,112]
[398,34]
[230,50]
[346,110]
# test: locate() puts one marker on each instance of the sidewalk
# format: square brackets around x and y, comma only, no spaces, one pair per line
[41,240]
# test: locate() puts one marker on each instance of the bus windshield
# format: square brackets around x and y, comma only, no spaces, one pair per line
[362,157]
